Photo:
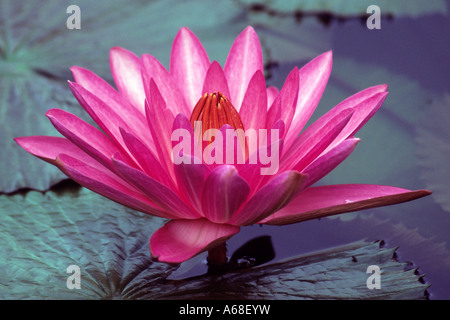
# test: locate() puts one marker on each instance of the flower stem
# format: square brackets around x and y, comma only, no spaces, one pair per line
[217,259]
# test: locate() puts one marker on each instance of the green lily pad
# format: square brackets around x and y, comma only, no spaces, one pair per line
[337,273]
[42,234]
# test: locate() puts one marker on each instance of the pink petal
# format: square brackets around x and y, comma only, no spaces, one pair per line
[272,93]
[188,65]
[84,135]
[108,119]
[160,121]
[244,59]
[102,90]
[253,111]
[328,161]
[364,103]
[274,112]
[304,151]
[153,69]
[251,172]
[215,80]
[181,122]
[190,177]
[223,193]
[111,98]
[157,192]
[126,71]
[180,240]
[313,78]
[286,101]
[147,161]
[93,176]
[323,201]
[363,112]
[48,148]
[270,198]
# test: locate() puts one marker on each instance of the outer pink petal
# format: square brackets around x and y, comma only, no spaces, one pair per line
[223,193]
[363,112]
[304,151]
[318,202]
[215,80]
[270,198]
[102,90]
[91,175]
[188,65]
[364,103]
[90,139]
[244,59]
[48,148]
[111,98]
[313,78]
[153,69]
[253,111]
[126,71]
[180,240]
[157,192]
[160,121]
[80,167]
[328,161]
[108,119]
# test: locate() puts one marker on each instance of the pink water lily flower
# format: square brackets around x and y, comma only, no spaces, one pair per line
[130,159]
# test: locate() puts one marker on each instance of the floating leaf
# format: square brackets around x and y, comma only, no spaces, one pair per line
[42,234]
[338,273]
[433,150]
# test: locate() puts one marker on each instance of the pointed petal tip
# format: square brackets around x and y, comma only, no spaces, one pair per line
[323,201]
[117,49]
[185,31]
[249,29]
[75,70]
[51,112]
[327,55]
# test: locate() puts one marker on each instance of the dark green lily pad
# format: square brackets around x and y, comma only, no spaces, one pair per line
[338,273]
[42,234]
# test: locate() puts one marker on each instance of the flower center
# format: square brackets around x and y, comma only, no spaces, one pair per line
[214,110]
